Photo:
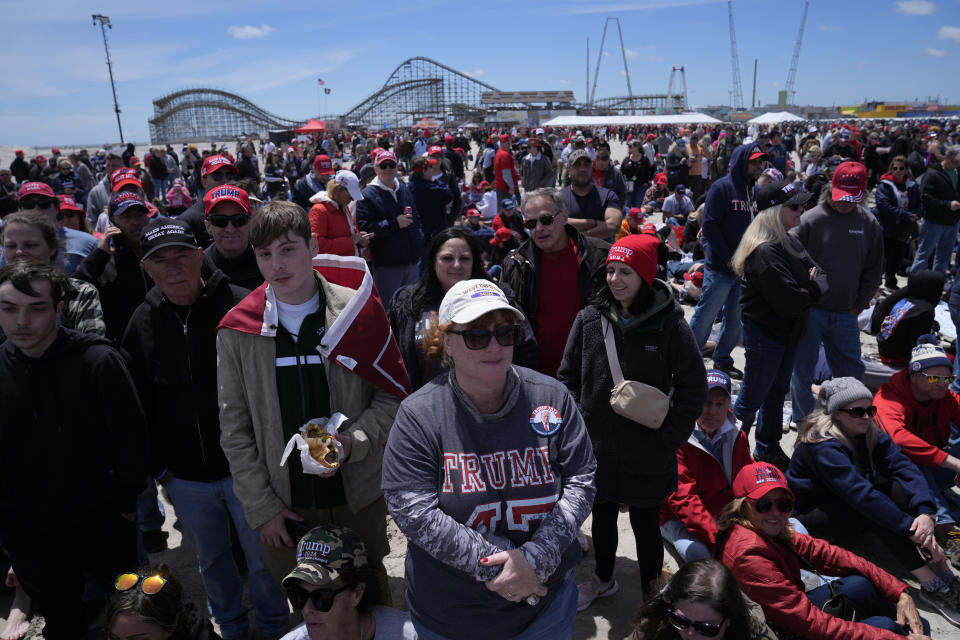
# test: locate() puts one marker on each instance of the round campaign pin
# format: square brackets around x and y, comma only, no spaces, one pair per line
[545,420]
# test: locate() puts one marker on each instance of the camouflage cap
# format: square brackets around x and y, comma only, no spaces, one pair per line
[325,553]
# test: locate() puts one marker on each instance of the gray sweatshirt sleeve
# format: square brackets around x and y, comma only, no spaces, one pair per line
[411,462]
[577,466]
[872,265]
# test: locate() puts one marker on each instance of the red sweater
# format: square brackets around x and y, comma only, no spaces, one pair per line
[769,574]
[503,161]
[333,228]
[919,430]
[702,488]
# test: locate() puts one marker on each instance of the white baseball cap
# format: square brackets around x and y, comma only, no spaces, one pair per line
[349,181]
[467,300]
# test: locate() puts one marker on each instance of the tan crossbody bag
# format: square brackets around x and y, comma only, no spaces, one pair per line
[637,401]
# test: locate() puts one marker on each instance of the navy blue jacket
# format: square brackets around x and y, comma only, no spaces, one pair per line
[728,212]
[432,198]
[377,213]
[826,470]
[894,219]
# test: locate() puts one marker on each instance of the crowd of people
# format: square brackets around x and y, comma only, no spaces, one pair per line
[437,327]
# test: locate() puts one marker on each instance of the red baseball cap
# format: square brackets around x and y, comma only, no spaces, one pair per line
[757,154]
[660,178]
[650,137]
[434,150]
[214,163]
[696,278]
[323,165]
[448,138]
[226,193]
[40,159]
[134,161]
[69,203]
[505,137]
[18,152]
[123,177]
[849,182]
[636,213]
[649,228]
[385,155]
[35,189]
[54,150]
[473,212]
[757,480]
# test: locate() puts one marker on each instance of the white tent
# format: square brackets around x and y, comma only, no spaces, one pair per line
[690,117]
[775,118]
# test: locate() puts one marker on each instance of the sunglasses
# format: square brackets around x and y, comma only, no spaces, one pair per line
[387,165]
[860,412]
[148,585]
[42,203]
[681,623]
[322,599]
[220,176]
[898,168]
[69,213]
[546,220]
[221,221]
[476,339]
[939,379]
[763,505]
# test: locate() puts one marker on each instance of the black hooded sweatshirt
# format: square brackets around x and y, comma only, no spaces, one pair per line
[906,314]
[73,441]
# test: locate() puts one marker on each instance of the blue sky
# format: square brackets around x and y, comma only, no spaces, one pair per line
[54,87]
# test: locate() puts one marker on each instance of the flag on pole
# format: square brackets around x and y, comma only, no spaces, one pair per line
[320,82]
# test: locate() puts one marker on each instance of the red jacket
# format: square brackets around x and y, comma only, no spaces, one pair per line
[921,431]
[503,161]
[334,228]
[769,574]
[703,488]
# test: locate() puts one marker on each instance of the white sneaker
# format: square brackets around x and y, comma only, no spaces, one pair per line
[593,589]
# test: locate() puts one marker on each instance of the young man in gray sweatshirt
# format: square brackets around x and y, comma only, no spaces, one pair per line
[846,241]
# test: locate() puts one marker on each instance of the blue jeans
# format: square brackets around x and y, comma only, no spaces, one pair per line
[689,546]
[870,605]
[940,481]
[554,623]
[205,509]
[840,335]
[720,291]
[936,239]
[766,382]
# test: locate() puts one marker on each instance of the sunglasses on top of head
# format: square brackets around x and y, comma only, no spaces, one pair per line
[322,599]
[476,339]
[237,220]
[681,623]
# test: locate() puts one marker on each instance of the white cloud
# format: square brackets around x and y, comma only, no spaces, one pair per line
[827,27]
[563,81]
[476,73]
[247,32]
[915,7]
[936,53]
[631,54]
[777,84]
[949,33]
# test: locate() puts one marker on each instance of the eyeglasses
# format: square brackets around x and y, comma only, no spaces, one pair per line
[69,213]
[387,165]
[763,505]
[476,339]
[546,220]
[148,585]
[221,221]
[41,203]
[898,168]
[220,176]
[680,622]
[859,412]
[939,379]
[322,599]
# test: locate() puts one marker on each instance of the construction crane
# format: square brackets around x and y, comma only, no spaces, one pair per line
[735,62]
[683,76]
[792,76]
[596,73]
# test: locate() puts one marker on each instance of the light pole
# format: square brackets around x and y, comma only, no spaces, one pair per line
[104,25]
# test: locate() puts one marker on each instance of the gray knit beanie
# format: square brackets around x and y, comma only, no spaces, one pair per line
[837,393]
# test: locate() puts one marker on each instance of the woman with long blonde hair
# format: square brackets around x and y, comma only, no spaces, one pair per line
[780,284]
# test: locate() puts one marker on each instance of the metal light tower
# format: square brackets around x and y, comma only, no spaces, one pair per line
[734,61]
[792,75]
[104,25]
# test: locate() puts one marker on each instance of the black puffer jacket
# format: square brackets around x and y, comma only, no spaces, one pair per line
[121,281]
[173,361]
[73,439]
[636,465]
[521,269]
[938,193]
